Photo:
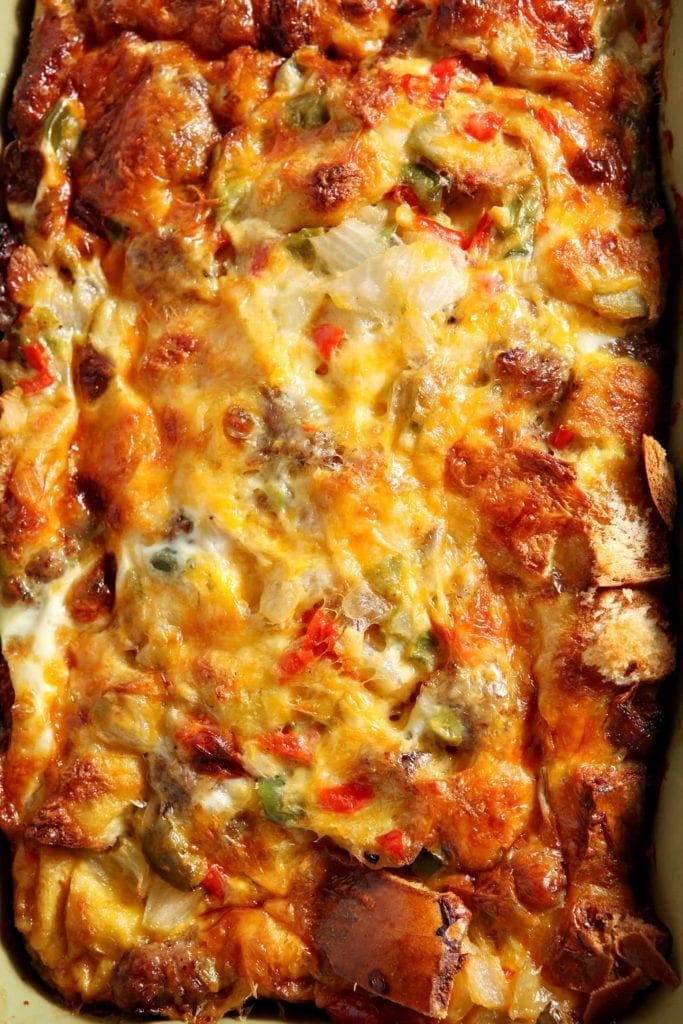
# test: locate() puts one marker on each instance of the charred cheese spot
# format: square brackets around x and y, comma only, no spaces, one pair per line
[616,276]
[94,371]
[529,502]
[55,49]
[487,809]
[542,36]
[209,28]
[129,163]
[614,398]
[334,185]
[238,86]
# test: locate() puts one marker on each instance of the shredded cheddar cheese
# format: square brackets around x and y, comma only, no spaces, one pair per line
[332,603]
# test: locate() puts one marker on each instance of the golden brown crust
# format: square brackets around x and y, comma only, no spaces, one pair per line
[332,518]
[393,938]
[660,479]
[565,29]
[56,46]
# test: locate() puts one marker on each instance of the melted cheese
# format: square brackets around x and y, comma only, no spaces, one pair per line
[32,645]
[323,494]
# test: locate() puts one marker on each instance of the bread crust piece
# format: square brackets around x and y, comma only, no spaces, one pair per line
[332,522]
[660,479]
[393,938]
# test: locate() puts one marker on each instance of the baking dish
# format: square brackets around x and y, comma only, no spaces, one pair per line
[25,1004]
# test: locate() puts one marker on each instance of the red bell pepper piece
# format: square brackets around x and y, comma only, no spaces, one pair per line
[443,72]
[259,259]
[319,640]
[214,881]
[36,357]
[392,843]
[450,235]
[483,126]
[435,86]
[561,436]
[404,194]
[291,745]
[482,232]
[328,338]
[545,118]
[414,86]
[347,798]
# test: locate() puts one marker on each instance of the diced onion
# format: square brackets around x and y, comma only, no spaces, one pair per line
[168,909]
[426,275]
[373,215]
[438,291]
[283,597]
[124,719]
[487,982]
[364,606]
[289,299]
[279,599]
[403,624]
[348,245]
[529,997]
[362,289]
[127,863]
[13,412]
[249,232]
[626,305]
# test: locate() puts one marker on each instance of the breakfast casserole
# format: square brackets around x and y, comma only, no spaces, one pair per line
[333,527]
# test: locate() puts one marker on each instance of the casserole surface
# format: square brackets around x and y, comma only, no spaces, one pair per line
[456,463]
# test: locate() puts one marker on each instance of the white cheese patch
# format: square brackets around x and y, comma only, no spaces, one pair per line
[32,645]
[205,540]
[593,341]
[225,798]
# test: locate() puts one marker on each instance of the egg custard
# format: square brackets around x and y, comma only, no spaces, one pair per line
[333,528]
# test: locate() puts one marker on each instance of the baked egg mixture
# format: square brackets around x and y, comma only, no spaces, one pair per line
[333,527]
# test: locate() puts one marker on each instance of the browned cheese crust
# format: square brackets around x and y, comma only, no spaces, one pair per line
[333,519]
